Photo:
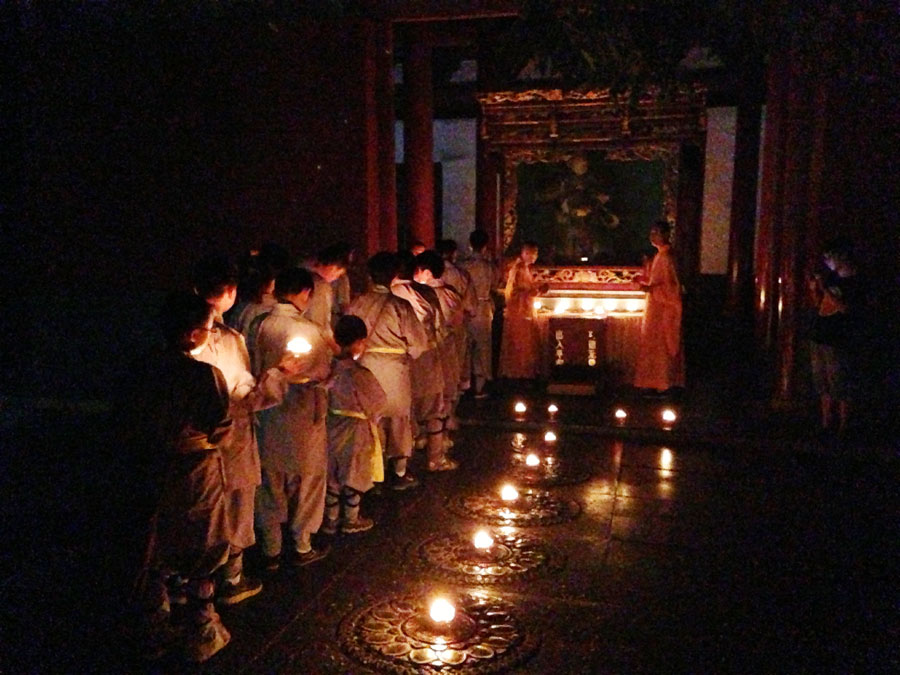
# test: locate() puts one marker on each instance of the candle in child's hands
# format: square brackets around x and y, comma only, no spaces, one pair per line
[298,346]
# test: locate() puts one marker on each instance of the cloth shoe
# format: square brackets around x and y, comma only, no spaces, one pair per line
[404,482]
[206,639]
[359,525]
[312,555]
[232,594]
[271,563]
[445,464]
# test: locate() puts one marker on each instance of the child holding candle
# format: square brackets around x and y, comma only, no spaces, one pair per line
[292,436]
[215,280]
[355,401]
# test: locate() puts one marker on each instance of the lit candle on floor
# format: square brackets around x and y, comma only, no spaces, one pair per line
[552,409]
[621,415]
[665,459]
[669,416]
[550,437]
[509,493]
[520,408]
[442,611]
[483,540]
[298,346]
[532,460]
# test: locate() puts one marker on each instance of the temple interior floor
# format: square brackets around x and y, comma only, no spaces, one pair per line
[704,550]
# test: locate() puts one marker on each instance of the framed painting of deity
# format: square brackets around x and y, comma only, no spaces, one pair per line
[588,208]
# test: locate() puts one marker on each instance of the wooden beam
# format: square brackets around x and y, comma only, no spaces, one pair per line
[438,10]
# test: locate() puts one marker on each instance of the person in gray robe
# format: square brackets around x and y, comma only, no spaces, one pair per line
[179,411]
[395,339]
[327,267]
[426,374]
[456,277]
[485,276]
[292,436]
[429,268]
[355,403]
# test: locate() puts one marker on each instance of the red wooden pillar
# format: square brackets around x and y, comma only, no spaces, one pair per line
[743,208]
[771,198]
[486,199]
[688,218]
[387,170]
[367,31]
[792,231]
[419,138]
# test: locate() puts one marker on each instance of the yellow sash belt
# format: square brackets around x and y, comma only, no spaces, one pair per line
[386,350]
[377,461]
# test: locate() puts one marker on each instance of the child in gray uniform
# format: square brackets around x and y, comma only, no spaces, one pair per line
[355,401]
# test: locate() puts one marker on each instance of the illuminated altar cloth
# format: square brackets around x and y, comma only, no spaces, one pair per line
[589,323]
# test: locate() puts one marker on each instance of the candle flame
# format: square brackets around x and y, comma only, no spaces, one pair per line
[621,414]
[509,493]
[442,611]
[520,407]
[299,345]
[552,409]
[550,437]
[537,304]
[668,415]
[483,540]
[532,460]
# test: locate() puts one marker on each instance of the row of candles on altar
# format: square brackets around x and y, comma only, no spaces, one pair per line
[598,306]
[667,415]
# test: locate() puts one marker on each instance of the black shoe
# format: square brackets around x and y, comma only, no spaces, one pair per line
[232,594]
[271,563]
[359,525]
[311,556]
[404,482]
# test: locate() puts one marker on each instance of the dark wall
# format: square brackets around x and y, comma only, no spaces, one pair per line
[142,137]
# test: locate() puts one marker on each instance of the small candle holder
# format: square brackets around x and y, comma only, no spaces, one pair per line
[552,410]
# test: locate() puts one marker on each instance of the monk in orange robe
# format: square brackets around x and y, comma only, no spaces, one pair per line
[660,361]
[520,349]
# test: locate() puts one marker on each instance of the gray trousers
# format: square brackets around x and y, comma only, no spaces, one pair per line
[292,499]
